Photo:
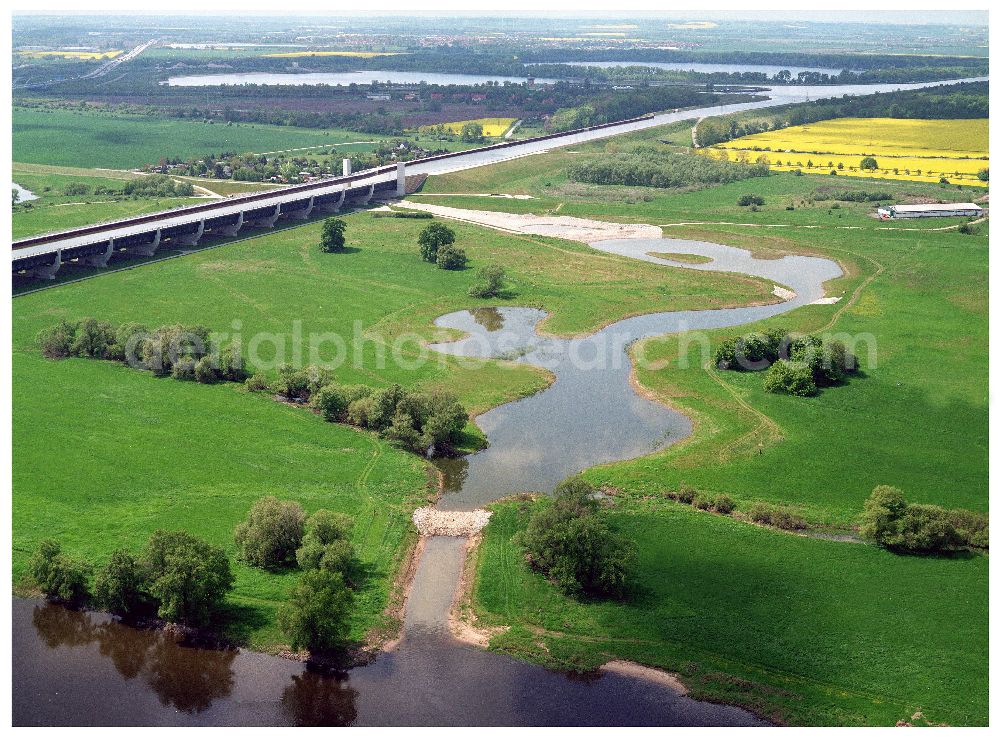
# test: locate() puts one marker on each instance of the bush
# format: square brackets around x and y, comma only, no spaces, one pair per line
[333,239]
[171,343]
[56,342]
[120,586]
[880,518]
[452,258]
[685,494]
[327,545]
[295,384]
[775,516]
[790,377]
[205,371]
[432,238]
[723,504]
[184,369]
[887,520]
[271,533]
[869,163]
[258,383]
[928,529]
[418,421]
[129,340]
[491,280]
[230,365]
[972,527]
[93,339]
[702,502]
[58,576]
[746,200]
[317,615]
[187,576]
[332,402]
[569,540]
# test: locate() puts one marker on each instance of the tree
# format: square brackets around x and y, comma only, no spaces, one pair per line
[432,238]
[869,163]
[491,280]
[333,239]
[120,586]
[472,132]
[271,533]
[58,576]
[332,401]
[327,545]
[983,175]
[316,616]
[188,576]
[790,377]
[15,197]
[451,258]
[569,540]
[880,518]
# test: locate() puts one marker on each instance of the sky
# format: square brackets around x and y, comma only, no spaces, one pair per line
[843,11]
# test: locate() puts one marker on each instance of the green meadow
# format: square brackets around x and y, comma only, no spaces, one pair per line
[801,630]
[118,141]
[111,453]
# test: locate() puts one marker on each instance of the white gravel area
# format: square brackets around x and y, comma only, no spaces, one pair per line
[461,523]
[558,226]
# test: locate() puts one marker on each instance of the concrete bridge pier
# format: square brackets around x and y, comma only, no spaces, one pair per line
[302,213]
[148,249]
[48,271]
[191,239]
[365,198]
[232,230]
[101,260]
[265,221]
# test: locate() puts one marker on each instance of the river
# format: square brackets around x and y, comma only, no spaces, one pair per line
[74,668]
[769,69]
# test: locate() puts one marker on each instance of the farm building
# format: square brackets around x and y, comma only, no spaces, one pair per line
[937,210]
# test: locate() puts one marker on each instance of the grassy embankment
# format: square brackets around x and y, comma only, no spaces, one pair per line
[106,454]
[800,629]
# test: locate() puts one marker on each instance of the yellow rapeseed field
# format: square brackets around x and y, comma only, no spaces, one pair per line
[355,54]
[492,127]
[917,150]
[72,54]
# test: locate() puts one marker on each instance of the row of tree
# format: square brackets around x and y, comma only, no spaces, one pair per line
[649,166]
[277,535]
[183,352]
[959,101]
[796,365]
[178,577]
[889,520]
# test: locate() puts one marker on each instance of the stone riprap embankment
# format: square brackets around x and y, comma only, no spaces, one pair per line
[462,523]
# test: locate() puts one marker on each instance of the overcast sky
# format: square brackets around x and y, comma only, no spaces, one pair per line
[845,11]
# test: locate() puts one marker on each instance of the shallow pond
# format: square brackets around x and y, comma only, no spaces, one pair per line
[591,414]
